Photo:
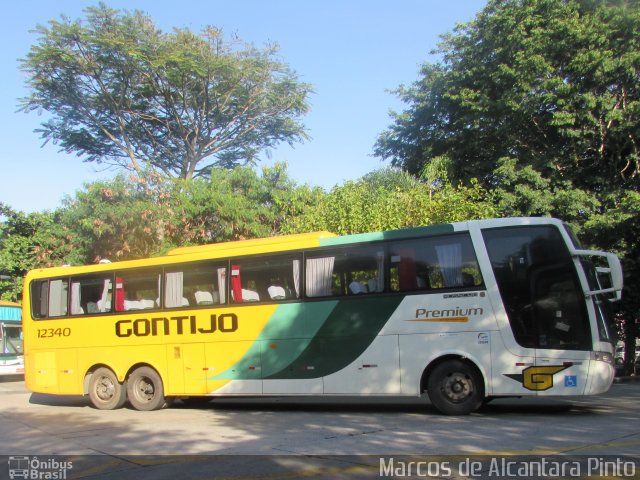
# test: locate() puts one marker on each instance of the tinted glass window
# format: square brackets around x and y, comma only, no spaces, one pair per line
[265,279]
[433,263]
[49,298]
[137,290]
[539,287]
[195,284]
[345,271]
[91,294]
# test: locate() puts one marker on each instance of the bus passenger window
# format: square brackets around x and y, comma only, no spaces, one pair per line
[195,284]
[91,294]
[273,278]
[347,271]
[39,298]
[446,261]
[49,298]
[137,290]
[58,293]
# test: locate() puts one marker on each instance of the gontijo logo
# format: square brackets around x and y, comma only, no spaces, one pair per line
[179,325]
[539,378]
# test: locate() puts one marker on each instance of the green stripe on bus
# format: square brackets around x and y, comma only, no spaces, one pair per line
[285,337]
[349,330]
[391,235]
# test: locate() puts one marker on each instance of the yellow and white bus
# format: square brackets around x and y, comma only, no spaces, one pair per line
[464,312]
[11,354]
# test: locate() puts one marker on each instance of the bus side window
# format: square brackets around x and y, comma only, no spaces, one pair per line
[137,289]
[58,294]
[538,286]
[272,278]
[352,270]
[91,294]
[201,283]
[40,298]
[446,261]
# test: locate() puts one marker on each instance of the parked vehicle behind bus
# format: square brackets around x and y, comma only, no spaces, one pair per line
[462,312]
[11,348]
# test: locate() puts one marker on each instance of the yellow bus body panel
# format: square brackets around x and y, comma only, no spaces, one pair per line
[61,352]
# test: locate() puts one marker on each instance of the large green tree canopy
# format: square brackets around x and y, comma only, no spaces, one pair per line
[119,91]
[553,84]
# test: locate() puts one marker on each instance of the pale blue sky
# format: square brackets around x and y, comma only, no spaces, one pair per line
[351,51]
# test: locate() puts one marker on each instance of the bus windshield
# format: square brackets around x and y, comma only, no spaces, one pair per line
[12,339]
[539,286]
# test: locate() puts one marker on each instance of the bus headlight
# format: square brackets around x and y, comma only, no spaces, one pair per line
[602,357]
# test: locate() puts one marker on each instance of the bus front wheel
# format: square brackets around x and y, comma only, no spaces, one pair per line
[145,390]
[456,388]
[105,392]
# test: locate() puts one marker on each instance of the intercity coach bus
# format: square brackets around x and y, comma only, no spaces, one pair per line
[463,312]
[11,354]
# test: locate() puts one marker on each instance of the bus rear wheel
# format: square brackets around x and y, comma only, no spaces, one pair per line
[145,390]
[456,388]
[105,392]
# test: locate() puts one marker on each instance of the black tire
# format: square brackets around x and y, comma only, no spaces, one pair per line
[105,392]
[145,390]
[456,388]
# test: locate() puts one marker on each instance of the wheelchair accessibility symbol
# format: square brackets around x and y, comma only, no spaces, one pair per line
[570,381]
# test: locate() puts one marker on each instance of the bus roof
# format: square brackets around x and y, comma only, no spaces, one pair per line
[4,303]
[10,311]
[289,242]
[389,235]
[238,248]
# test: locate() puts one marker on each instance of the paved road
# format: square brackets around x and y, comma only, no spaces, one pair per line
[309,435]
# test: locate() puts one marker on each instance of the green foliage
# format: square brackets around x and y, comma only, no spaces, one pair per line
[389,199]
[120,219]
[522,191]
[122,92]
[142,216]
[236,204]
[30,241]
[553,84]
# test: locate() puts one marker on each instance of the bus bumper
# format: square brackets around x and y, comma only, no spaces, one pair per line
[601,375]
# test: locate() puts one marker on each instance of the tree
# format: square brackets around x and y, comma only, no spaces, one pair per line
[552,84]
[388,199]
[120,219]
[135,216]
[30,241]
[618,230]
[121,92]
[236,204]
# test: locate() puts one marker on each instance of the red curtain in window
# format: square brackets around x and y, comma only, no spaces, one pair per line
[236,284]
[119,295]
[407,270]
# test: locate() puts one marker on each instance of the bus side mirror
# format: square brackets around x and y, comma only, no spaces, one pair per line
[609,278]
